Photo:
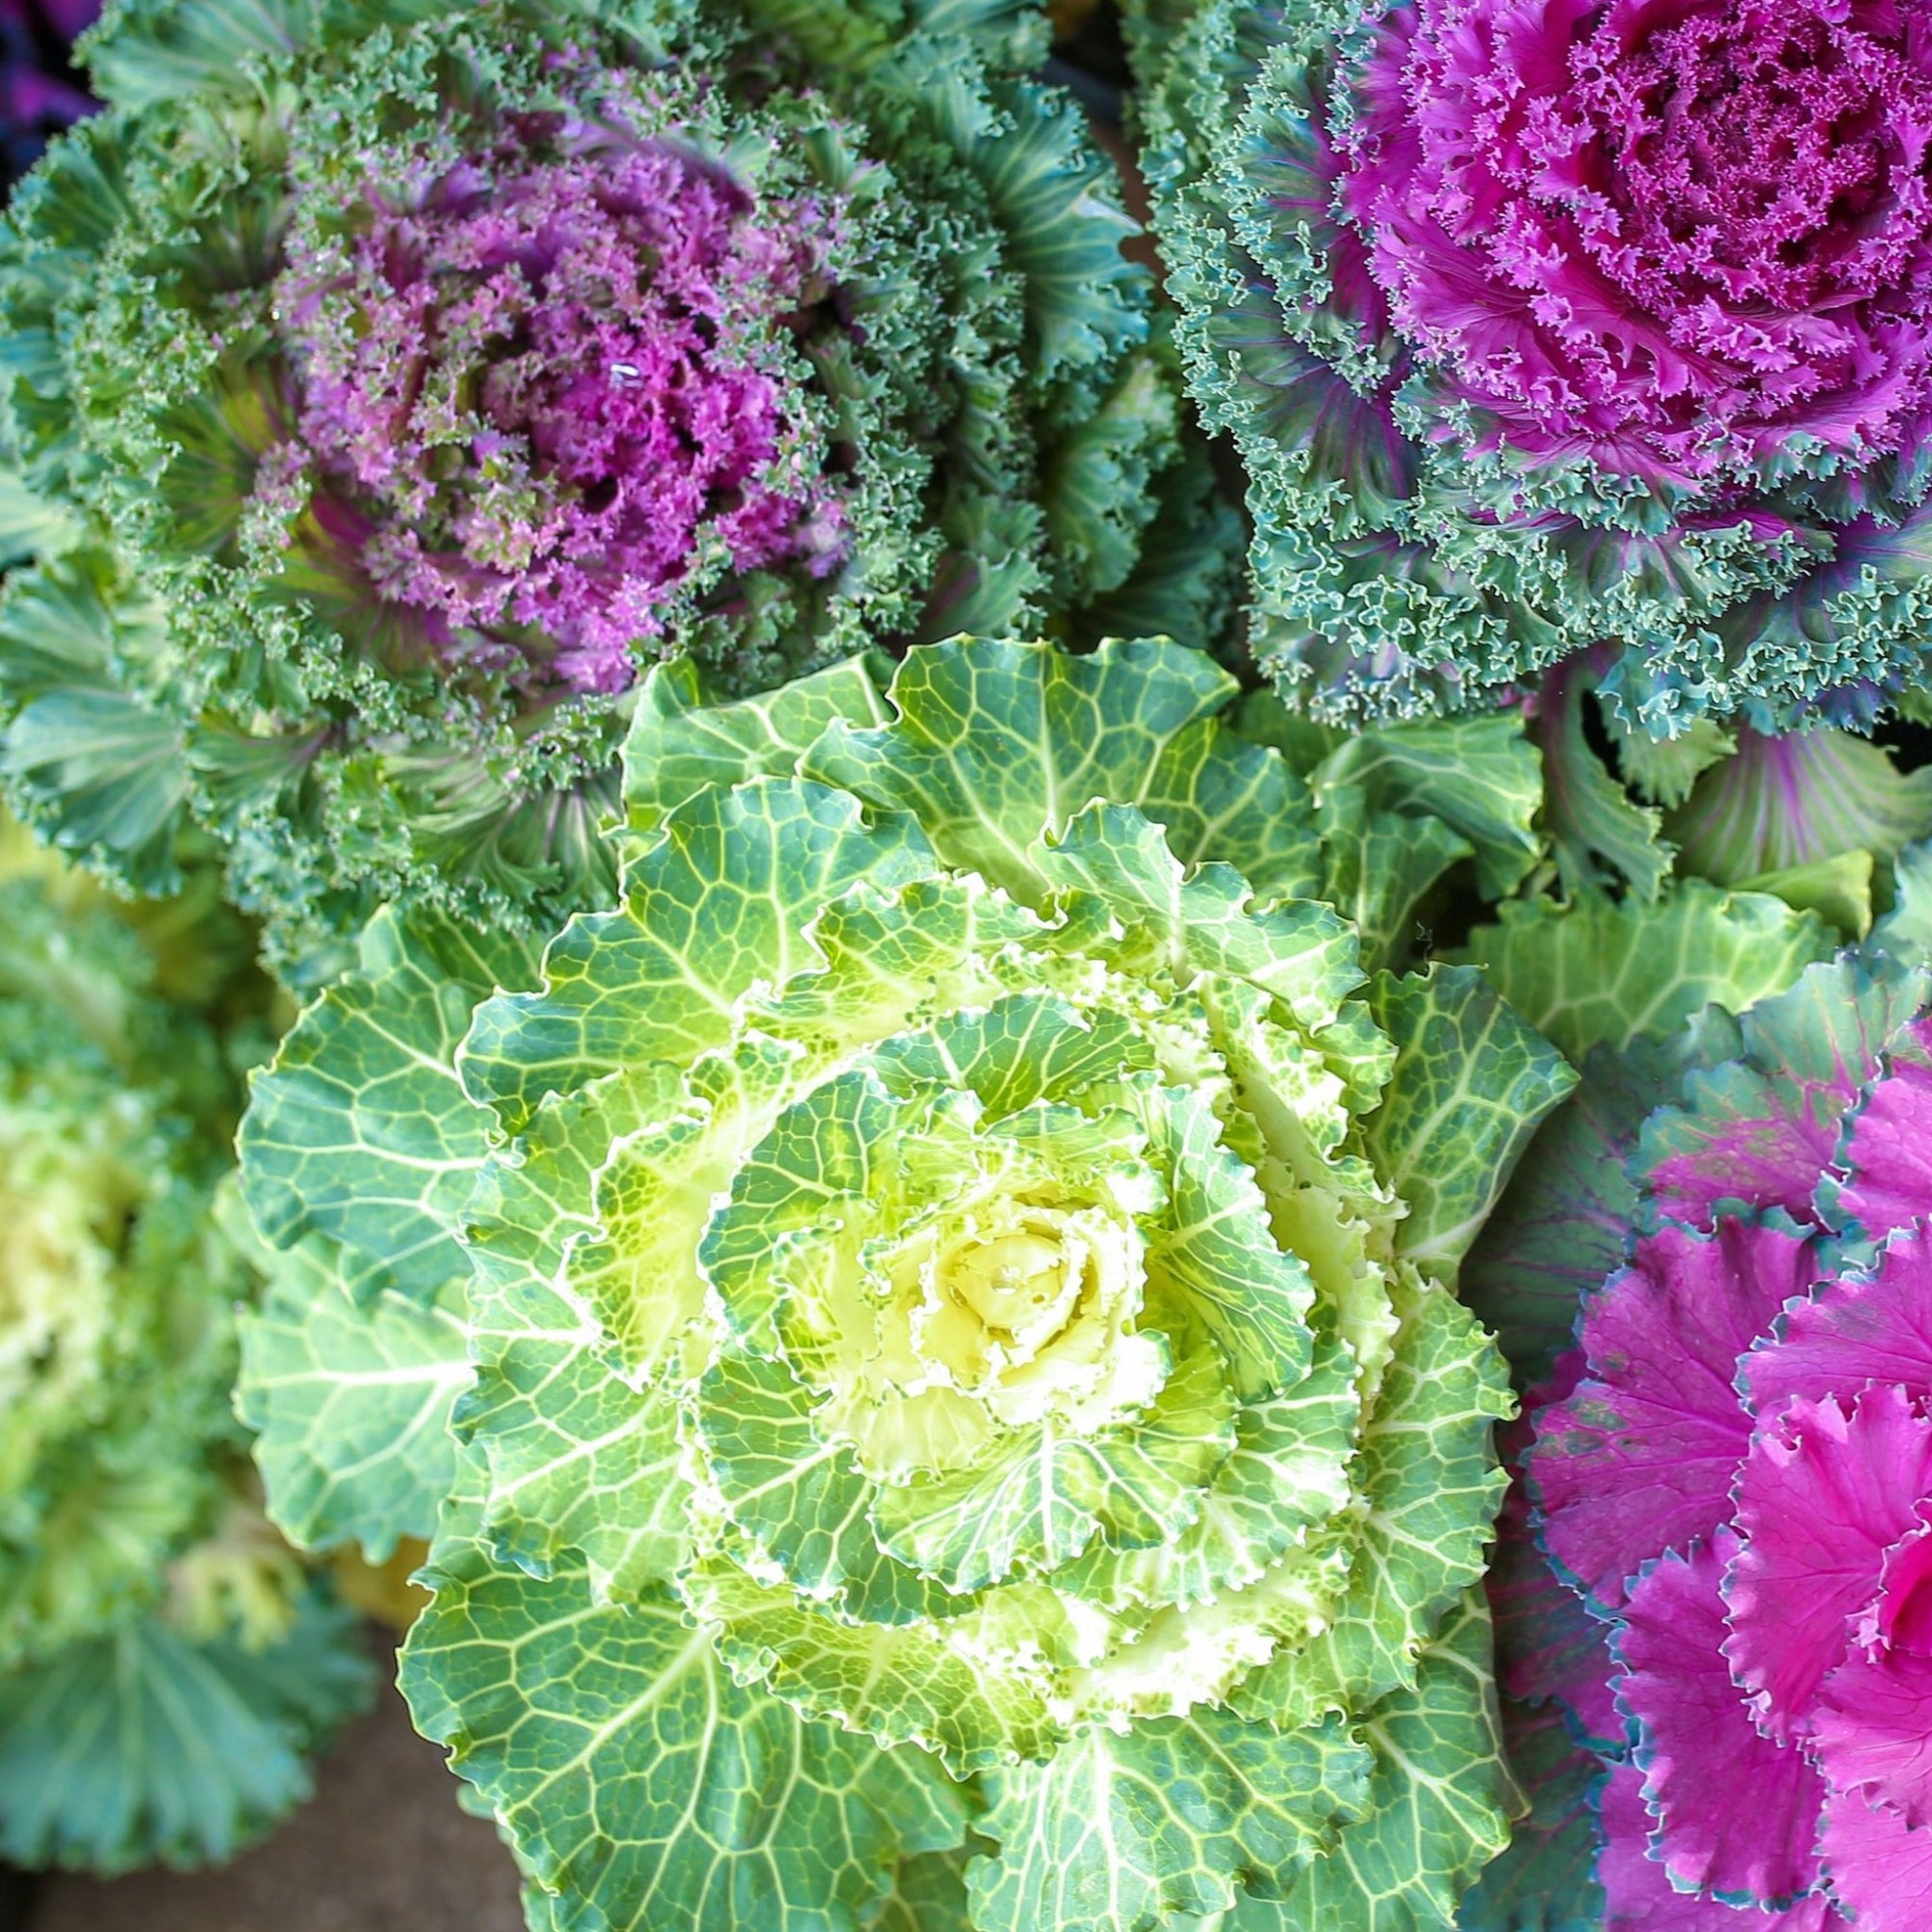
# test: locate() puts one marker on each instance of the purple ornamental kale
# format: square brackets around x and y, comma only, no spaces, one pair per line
[534,395]
[1733,1472]
[1660,237]
[1543,323]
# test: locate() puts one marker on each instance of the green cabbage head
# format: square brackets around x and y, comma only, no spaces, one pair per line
[969,1422]
[166,1663]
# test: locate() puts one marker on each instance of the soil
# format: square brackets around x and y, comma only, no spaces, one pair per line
[382,1848]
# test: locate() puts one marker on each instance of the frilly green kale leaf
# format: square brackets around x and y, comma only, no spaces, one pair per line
[954,1274]
[389,386]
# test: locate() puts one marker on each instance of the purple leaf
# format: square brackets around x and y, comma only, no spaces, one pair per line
[1880,1868]
[1856,1329]
[1824,1492]
[1641,1457]
[1739,1813]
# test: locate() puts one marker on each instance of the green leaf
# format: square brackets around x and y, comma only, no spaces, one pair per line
[1906,930]
[1055,200]
[1117,1833]
[1205,921]
[360,1131]
[1379,865]
[929,1895]
[1793,801]
[1095,481]
[98,768]
[1587,812]
[1663,769]
[1559,1230]
[1041,1497]
[583,1458]
[141,1747]
[1839,889]
[1429,1478]
[105,775]
[1021,1048]
[1598,970]
[1480,776]
[997,743]
[1216,1253]
[638,1782]
[721,903]
[903,1684]
[1471,1085]
[801,1496]
[679,741]
[1440,1803]
[351,1405]
[1286,1474]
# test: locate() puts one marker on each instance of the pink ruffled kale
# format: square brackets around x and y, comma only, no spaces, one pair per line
[1737,1469]
[538,395]
[1669,238]
[1543,325]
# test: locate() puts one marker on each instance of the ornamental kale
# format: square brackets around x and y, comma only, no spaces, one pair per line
[392,384]
[962,1406]
[1543,324]
[1728,1473]
[164,1665]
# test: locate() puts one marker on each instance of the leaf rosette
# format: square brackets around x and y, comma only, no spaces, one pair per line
[1543,325]
[962,1243]
[1710,1271]
[163,1673]
[395,389]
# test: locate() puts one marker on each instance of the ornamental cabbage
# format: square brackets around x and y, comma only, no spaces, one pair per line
[164,1663]
[962,1407]
[1714,1705]
[1540,325]
[391,385]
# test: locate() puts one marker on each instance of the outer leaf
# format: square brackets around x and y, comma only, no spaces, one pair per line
[1762,1127]
[1471,1085]
[639,1783]
[718,903]
[1597,971]
[1440,1800]
[998,745]
[1219,1253]
[1430,1478]
[1560,1227]
[679,742]
[929,1895]
[1480,776]
[351,1408]
[1544,1881]
[360,1131]
[140,1746]
[1117,1833]
[1377,865]
[901,1683]
[582,1462]
[1588,813]
[1298,950]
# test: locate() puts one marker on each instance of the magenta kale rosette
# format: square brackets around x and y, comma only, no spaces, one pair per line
[1541,325]
[1715,1580]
